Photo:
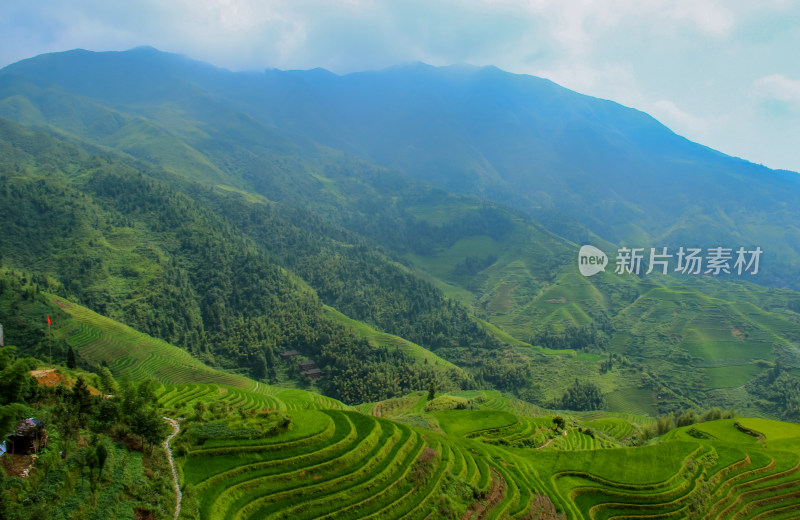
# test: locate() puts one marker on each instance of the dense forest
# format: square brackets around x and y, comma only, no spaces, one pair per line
[136,249]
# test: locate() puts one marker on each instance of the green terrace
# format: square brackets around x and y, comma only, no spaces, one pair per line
[466,454]
[137,356]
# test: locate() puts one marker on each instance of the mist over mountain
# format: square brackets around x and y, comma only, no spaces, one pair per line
[442,206]
[579,164]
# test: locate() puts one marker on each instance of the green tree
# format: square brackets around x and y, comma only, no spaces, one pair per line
[71,363]
[583,396]
[66,417]
[148,424]
[101,452]
[686,418]
[10,414]
[199,410]
[16,383]
[107,383]
[106,415]
[129,399]
[146,392]
[260,369]
[84,402]
[665,423]
[432,391]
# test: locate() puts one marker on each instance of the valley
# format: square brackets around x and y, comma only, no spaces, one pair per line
[193,235]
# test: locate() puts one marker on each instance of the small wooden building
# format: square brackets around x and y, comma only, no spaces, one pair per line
[313,373]
[307,365]
[289,354]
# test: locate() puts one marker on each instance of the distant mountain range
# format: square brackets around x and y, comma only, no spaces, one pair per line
[579,164]
[221,210]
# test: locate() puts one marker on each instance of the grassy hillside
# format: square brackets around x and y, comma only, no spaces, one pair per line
[675,343]
[135,356]
[581,165]
[228,278]
[249,450]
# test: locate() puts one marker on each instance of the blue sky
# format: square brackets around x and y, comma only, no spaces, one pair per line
[722,73]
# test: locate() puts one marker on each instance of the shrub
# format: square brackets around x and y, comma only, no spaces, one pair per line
[446,402]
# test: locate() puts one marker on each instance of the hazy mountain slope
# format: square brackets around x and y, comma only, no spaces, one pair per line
[364,237]
[99,229]
[569,159]
[531,143]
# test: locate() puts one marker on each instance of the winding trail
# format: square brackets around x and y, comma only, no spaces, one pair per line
[548,442]
[178,495]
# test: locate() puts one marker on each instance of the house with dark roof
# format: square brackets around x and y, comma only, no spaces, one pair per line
[313,373]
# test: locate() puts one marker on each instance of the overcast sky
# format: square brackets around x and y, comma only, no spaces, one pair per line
[722,73]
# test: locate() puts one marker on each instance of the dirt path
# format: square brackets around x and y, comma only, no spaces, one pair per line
[178,495]
[549,441]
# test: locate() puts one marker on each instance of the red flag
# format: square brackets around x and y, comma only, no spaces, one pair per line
[48,320]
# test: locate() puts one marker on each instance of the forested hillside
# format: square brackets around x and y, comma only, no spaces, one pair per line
[221,211]
[358,297]
[134,248]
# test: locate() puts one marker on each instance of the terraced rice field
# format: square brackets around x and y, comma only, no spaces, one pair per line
[179,399]
[616,428]
[503,460]
[497,401]
[138,356]
[505,429]
[346,465]
[632,401]
[339,464]
[710,479]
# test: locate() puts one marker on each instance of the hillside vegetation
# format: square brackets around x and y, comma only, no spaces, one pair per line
[273,262]
[180,202]
[248,450]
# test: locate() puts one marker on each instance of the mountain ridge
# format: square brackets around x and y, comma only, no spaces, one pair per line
[571,160]
[387,247]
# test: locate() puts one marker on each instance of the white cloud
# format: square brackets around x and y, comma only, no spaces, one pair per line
[286,33]
[778,87]
[707,15]
[680,121]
